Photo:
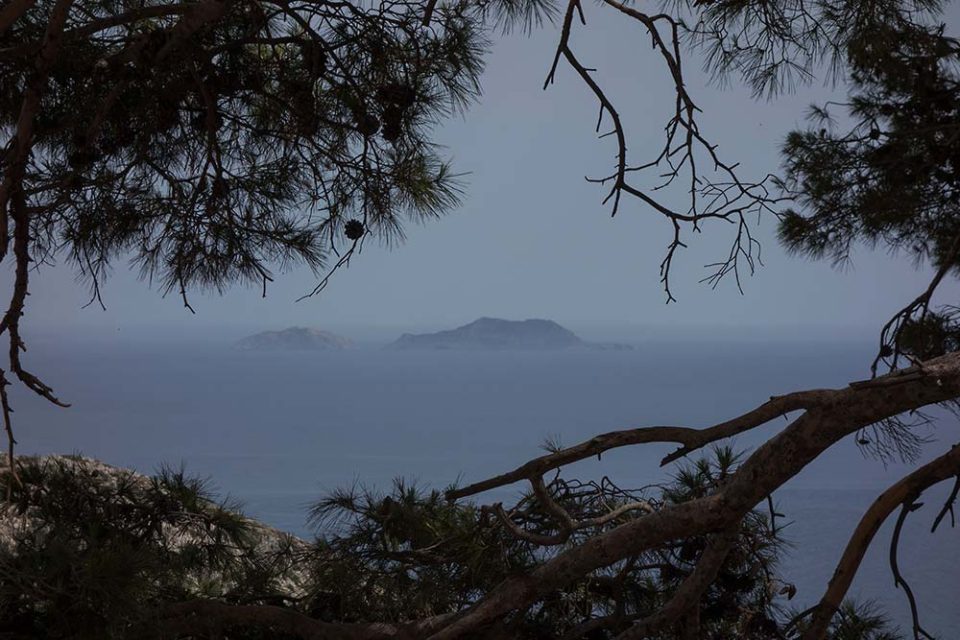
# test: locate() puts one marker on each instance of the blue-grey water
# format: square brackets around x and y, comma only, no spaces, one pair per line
[275,430]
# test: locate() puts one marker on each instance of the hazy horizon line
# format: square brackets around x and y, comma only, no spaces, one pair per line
[194,328]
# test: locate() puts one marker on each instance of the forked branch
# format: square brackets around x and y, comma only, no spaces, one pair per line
[900,494]
[712,192]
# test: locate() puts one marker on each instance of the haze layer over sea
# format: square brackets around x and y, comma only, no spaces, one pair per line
[275,430]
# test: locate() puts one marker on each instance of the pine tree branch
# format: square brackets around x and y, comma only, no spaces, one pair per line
[689,438]
[842,413]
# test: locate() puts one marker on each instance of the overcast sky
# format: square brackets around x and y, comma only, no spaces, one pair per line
[532,238]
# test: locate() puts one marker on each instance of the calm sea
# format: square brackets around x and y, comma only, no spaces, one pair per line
[275,430]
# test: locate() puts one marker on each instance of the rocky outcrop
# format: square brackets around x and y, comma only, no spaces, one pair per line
[71,495]
[495,334]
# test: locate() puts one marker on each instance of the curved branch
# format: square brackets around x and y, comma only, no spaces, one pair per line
[567,523]
[900,493]
[12,12]
[523,534]
[898,579]
[689,438]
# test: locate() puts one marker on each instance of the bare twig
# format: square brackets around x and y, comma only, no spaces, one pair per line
[726,198]
[948,507]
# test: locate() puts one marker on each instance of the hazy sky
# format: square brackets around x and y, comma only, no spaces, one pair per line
[532,238]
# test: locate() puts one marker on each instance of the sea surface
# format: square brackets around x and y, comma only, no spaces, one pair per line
[277,430]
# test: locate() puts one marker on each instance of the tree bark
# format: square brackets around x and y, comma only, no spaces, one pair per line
[838,413]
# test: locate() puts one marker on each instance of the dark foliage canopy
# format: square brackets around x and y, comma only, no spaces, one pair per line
[210,141]
[214,141]
[889,175]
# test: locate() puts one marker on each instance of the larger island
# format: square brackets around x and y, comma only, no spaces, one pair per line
[498,334]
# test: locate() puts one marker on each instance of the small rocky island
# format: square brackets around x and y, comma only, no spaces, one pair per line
[294,339]
[497,334]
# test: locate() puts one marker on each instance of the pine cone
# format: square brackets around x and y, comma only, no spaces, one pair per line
[353,229]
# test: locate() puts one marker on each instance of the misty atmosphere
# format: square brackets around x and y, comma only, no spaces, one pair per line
[668,350]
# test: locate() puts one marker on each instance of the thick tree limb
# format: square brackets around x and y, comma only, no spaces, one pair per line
[12,12]
[201,15]
[838,413]
[196,17]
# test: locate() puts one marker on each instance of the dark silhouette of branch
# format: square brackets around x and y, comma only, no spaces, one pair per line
[727,198]
[902,494]
[13,208]
[691,440]
[12,11]
[899,580]
[948,507]
[567,525]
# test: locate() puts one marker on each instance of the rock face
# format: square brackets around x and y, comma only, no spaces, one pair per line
[495,334]
[126,495]
[294,339]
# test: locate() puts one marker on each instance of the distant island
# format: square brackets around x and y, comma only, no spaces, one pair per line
[498,334]
[294,339]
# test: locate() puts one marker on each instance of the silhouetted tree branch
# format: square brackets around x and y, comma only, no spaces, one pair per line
[838,413]
[903,494]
